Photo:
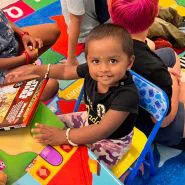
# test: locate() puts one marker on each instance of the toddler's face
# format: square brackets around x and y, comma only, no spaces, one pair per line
[107,62]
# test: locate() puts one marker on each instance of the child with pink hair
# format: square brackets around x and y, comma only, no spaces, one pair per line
[162,66]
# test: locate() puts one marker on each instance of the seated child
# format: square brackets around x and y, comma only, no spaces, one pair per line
[23,46]
[110,95]
[162,66]
[81,18]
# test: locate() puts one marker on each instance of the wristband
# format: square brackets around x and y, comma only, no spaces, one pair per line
[24,33]
[68,139]
[46,76]
[27,61]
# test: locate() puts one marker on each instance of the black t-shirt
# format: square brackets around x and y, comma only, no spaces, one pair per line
[123,97]
[151,67]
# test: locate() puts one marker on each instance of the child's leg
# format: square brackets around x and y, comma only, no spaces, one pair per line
[170,58]
[48,33]
[110,151]
[50,90]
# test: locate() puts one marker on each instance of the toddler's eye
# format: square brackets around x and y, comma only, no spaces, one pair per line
[95,61]
[113,61]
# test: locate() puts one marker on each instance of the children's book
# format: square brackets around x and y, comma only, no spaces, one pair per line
[18,103]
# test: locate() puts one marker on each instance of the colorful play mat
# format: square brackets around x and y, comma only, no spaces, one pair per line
[169,162]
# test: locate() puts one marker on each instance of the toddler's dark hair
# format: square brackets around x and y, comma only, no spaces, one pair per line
[111,31]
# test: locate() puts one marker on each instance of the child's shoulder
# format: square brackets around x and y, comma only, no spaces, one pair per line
[126,86]
[127,81]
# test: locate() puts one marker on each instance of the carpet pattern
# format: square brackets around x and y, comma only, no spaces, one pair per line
[170,163]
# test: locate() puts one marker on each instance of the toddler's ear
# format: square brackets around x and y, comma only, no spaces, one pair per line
[132,59]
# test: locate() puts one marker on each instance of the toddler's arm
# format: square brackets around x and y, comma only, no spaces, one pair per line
[85,135]
[57,71]
[92,133]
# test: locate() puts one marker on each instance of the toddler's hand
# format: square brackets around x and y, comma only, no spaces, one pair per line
[49,135]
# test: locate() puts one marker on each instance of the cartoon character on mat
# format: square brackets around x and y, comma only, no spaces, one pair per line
[3,176]
[2,165]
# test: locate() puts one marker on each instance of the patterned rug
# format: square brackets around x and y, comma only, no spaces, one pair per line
[170,162]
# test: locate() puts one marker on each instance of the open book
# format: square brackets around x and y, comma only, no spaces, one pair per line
[18,103]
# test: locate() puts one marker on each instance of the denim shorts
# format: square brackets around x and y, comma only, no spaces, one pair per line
[167,55]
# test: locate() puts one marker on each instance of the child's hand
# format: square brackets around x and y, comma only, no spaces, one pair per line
[49,135]
[33,42]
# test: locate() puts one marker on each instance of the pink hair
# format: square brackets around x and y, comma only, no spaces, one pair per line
[134,15]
